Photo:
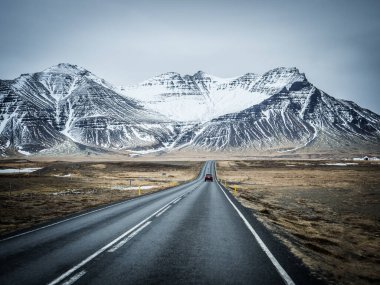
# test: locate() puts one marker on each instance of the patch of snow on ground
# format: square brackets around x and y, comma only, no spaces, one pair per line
[340,164]
[20,170]
[67,192]
[67,175]
[146,187]
[362,158]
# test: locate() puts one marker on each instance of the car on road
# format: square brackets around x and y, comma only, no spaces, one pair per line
[209,177]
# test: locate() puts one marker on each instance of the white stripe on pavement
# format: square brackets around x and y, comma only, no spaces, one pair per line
[107,246]
[124,241]
[74,278]
[163,211]
[274,261]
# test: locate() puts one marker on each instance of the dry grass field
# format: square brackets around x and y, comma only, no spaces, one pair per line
[327,213]
[62,188]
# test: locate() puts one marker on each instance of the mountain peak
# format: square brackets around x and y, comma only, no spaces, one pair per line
[248,75]
[66,68]
[168,75]
[283,76]
[200,74]
[283,69]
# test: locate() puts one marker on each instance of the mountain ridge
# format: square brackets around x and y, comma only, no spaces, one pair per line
[278,110]
[209,96]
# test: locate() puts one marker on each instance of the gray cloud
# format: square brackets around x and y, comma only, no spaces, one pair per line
[335,43]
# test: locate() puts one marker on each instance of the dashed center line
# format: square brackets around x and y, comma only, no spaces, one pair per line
[119,241]
[177,200]
[74,278]
[128,238]
[163,211]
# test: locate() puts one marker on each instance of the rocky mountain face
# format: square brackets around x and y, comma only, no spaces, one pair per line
[280,110]
[64,102]
[297,117]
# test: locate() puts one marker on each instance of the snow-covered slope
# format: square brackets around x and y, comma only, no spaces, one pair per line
[202,97]
[298,116]
[63,102]
[67,108]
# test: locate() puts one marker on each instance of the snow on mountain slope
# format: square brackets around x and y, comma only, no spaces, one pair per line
[67,108]
[64,102]
[202,97]
[174,96]
[298,116]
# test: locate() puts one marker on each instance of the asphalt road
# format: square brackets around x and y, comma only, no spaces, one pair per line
[196,233]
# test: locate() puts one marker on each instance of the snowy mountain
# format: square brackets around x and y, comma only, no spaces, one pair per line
[299,116]
[202,97]
[66,107]
[65,102]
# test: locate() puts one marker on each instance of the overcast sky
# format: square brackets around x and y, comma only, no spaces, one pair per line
[336,43]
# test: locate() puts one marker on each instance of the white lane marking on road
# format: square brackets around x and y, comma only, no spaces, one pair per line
[74,278]
[69,219]
[107,246]
[177,200]
[274,261]
[124,241]
[163,211]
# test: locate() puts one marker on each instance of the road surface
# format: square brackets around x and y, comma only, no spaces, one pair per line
[196,233]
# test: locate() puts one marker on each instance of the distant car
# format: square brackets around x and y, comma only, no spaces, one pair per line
[209,177]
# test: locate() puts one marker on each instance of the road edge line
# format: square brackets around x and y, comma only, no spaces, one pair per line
[284,275]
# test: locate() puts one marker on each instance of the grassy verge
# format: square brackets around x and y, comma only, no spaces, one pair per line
[62,188]
[327,213]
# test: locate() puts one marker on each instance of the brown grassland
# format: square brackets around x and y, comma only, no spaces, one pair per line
[328,215]
[63,188]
